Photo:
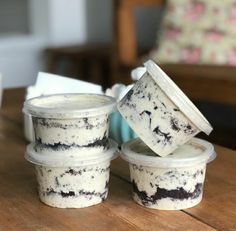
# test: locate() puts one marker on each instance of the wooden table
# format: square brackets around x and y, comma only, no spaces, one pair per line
[20,208]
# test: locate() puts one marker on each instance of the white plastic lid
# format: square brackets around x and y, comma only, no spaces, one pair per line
[178,97]
[69,105]
[67,160]
[195,151]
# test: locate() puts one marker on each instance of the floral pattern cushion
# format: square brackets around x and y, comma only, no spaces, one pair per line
[199,32]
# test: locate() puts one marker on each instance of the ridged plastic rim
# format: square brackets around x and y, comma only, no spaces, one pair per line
[55,112]
[208,155]
[67,160]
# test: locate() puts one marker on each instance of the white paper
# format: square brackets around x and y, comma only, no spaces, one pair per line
[47,84]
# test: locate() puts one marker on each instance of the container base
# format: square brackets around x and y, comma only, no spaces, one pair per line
[78,202]
[170,204]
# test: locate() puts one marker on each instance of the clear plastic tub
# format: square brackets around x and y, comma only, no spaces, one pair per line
[72,181]
[168,183]
[160,113]
[65,122]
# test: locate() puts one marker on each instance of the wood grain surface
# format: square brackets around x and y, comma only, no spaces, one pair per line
[20,208]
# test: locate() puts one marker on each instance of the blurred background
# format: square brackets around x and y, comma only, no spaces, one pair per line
[102,41]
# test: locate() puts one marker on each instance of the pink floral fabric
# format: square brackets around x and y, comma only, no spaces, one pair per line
[199,32]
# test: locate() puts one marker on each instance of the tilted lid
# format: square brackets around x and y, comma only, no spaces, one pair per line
[178,97]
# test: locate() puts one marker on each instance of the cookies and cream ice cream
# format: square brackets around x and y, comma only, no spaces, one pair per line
[67,122]
[71,134]
[168,183]
[159,112]
[73,187]
[72,181]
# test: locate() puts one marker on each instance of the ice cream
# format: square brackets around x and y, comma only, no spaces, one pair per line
[67,122]
[169,183]
[159,112]
[68,135]
[72,181]
[73,187]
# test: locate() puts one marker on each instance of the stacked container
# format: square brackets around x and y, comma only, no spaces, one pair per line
[167,164]
[71,152]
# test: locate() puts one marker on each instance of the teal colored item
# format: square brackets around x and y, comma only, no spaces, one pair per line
[119,129]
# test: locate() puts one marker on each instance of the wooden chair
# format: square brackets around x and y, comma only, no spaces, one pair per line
[199,82]
[89,62]
[126,54]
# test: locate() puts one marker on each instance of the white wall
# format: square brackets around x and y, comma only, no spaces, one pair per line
[66,22]
[98,21]
[52,23]
[20,60]
[39,17]
[61,22]
[10,13]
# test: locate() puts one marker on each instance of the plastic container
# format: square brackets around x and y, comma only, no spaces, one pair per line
[65,122]
[72,181]
[160,113]
[28,128]
[168,183]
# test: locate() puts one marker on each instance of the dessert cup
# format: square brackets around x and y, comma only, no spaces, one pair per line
[66,122]
[160,113]
[72,181]
[168,183]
